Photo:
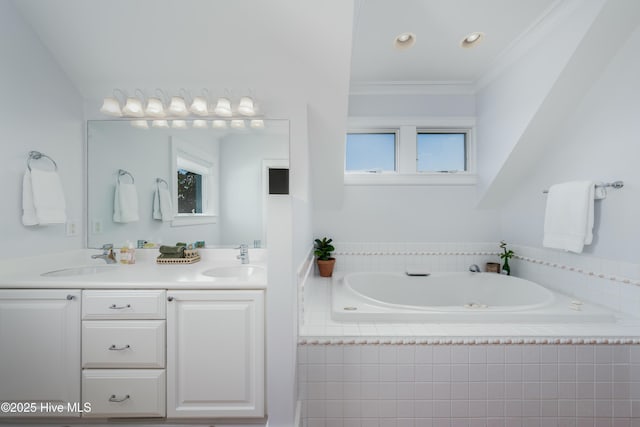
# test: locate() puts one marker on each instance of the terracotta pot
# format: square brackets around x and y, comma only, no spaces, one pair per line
[326,267]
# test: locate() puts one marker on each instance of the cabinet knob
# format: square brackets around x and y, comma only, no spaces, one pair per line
[169,299]
[70,297]
[114,398]
[119,307]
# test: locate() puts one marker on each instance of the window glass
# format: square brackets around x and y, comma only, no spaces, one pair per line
[371,152]
[441,152]
[189,192]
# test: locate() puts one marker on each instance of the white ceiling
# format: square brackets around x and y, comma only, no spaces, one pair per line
[439,26]
[246,44]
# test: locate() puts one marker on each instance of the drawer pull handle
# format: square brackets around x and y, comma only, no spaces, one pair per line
[119,307]
[113,347]
[113,398]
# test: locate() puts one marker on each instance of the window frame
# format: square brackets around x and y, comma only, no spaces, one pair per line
[395,132]
[406,150]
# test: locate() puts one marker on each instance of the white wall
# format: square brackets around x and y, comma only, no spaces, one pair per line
[41,110]
[599,141]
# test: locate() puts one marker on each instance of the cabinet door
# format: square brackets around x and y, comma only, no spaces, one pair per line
[40,348]
[215,354]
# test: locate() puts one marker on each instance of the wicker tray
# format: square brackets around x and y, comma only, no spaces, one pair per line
[189,260]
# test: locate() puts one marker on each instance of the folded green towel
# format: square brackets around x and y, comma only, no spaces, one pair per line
[170,256]
[172,250]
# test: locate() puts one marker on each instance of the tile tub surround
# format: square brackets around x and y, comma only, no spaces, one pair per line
[469,385]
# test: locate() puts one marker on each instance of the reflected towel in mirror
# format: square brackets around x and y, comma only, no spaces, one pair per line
[125,203]
[162,208]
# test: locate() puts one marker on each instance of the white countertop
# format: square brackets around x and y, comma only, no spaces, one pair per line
[21,273]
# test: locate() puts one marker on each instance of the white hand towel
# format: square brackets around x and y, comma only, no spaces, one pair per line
[125,203]
[43,198]
[166,207]
[28,209]
[157,214]
[568,221]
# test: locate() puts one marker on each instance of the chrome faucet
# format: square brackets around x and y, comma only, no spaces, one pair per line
[107,254]
[244,254]
[474,268]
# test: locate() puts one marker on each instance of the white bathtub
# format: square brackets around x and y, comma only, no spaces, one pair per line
[455,297]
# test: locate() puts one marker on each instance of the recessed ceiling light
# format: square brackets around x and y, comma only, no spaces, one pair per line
[472,40]
[404,41]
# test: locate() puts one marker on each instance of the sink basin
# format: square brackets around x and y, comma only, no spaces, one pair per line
[241,272]
[78,271]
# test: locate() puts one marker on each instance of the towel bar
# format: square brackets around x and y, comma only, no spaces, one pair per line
[122,172]
[36,155]
[615,184]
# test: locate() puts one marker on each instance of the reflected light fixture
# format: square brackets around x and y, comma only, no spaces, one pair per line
[246,107]
[200,124]
[237,124]
[223,107]
[179,124]
[155,108]
[257,124]
[160,124]
[219,124]
[140,124]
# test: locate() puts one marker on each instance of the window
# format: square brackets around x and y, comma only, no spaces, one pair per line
[189,192]
[439,151]
[371,152]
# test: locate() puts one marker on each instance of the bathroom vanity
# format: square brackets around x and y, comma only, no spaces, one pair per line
[140,341]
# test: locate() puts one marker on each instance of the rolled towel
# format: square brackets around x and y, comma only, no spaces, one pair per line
[170,256]
[172,250]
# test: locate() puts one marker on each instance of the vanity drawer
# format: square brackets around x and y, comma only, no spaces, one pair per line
[123,304]
[124,393]
[123,344]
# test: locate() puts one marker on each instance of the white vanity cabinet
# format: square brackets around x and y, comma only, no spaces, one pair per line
[215,353]
[40,349]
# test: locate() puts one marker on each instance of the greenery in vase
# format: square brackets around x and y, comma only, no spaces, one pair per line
[506,255]
[323,249]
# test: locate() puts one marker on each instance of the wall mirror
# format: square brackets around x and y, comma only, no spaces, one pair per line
[165,185]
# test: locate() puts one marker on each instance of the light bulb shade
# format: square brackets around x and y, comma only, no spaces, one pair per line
[257,124]
[246,107]
[237,124]
[155,108]
[111,107]
[199,106]
[200,124]
[177,107]
[223,107]
[140,124]
[160,124]
[179,124]
[133,108]
[219,124]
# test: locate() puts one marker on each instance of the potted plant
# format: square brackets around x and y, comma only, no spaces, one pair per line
[505,255]
[325,261]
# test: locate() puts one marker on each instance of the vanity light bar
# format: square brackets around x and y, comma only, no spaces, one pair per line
[178,106]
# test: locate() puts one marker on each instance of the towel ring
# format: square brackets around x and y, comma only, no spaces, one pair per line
[36,155]
[122,172]
[159,180]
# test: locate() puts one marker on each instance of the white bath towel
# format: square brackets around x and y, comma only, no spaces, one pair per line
[568,221]
[42,198]
[125,203]
[162,207]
